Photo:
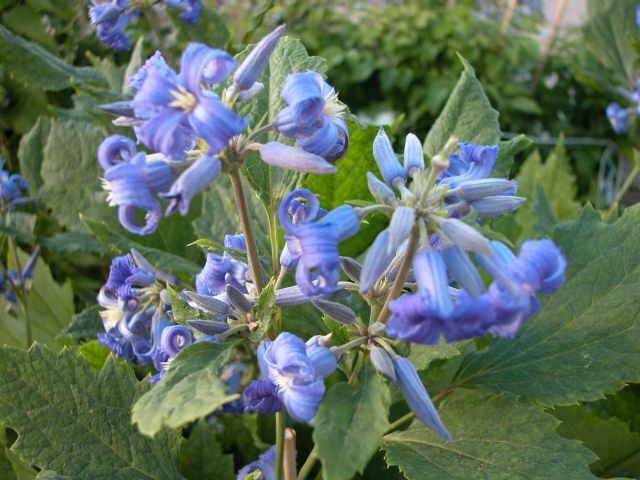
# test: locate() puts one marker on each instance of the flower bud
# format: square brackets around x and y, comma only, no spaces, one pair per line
[337,311]
[490,207]
[400,227]
[413,155]
[465,235]
[382,362]
[206,303]
[379,190]
[252,66]
[285,156]
[377,260]
[386,159]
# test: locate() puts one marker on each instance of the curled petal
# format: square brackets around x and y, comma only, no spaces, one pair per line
[291,206]
[127,217]
[215,123]
[191,182]
[115,149]
[197,59]
[175,338]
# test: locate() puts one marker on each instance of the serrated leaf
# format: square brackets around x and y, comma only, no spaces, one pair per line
[508,150]
[94,353]
[349,426]
[71,180]
[201,455]
[495,438]
[622,404]
[544,220]
[584,342]
[74,420]
[618,449]
[190,389]
[422,355]
[559,185]
[28,62]
[85,325]
[468,115]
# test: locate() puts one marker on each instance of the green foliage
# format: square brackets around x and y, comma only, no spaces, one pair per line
[190,389]
[201,455]
[43,394]
[94,353]
[86,324]
[582,344]
[349,426]
[618,449]
[265,312]
[494,437]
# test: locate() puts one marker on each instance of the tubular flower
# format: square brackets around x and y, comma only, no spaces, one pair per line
[111,18]
[19,280]
[312,242]
[133,181]
[314,116]
[297,370]
[175,108]
[12,188]
[191,182]
[220,271]
[191,9]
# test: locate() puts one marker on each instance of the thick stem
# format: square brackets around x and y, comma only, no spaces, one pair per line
[398,283]
[252,249]
[290,454]
[280,428]
[309,463]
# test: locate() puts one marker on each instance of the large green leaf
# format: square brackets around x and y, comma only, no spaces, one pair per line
[495,438]
[31,152]
[201,455]
[28,62]
[349,426]
[558,183]
[74,420]
[584,342]
[609,36]
[468,115]
[49,305]
[190,389]
[617,447]
[86,324]
[70,174]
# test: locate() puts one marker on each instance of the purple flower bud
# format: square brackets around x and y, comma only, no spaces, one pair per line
[477,189]
[417,397]
[472,163]
[490,207]
[337,311]
[252,66]
[379,190]
[344,219]
[382,362]
[235,242]
[386,158]
[291,158]
[465,235]
[431,274]
[413,155]
[400,228]
[111,20]
[191,182]
[375,264]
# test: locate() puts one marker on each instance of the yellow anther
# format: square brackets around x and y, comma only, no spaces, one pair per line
[183,99]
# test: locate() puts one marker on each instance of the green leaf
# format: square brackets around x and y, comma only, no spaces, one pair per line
[73,419]
[544,220]
[583,343]
[74,242]
[135,62]
[508,150]
[609,36]
[617,448]
[190,389]
[201,455]
[85,325]
[211,28]
[28,62]
[558,183]
[422,355]
[265,312]
[349,426]
[94,353]
[31,153]
[6,470]
[120,244]
[623,404]
[495,438]
[181,310]
[51,475]
[71,180]
[468,115]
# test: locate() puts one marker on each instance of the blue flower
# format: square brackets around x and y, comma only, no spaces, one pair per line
[618,117]
[124,274]
[265,465]
[314,116]
[220,271]
[313,243]
[235,242]
[20,281]
[472,163]
[12,188]
[191,9]
[190,182]
[111,19]
[133,181]
[177,110]
[173,339]
[250,69]
[297,370]
[261,396]
[291,158]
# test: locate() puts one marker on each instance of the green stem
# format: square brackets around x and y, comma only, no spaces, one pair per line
[625,186]
[273,239]
[308,464]
[398,284]
[252,249]
[20,291]
[280,427]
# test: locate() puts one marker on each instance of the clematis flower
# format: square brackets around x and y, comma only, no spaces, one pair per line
[314,116]
[12,188]
[111,18]
[265,465]
[191,9]
[133,181]
[191,182]
[220,271]
[177,110]
[173,339]
[19,280]
[313,245]
[618,117]
[297,371]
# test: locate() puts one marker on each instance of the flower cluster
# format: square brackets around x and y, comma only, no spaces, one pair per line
[195,134]
[618,115]
[111,18]
[12,188]
[14,280]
